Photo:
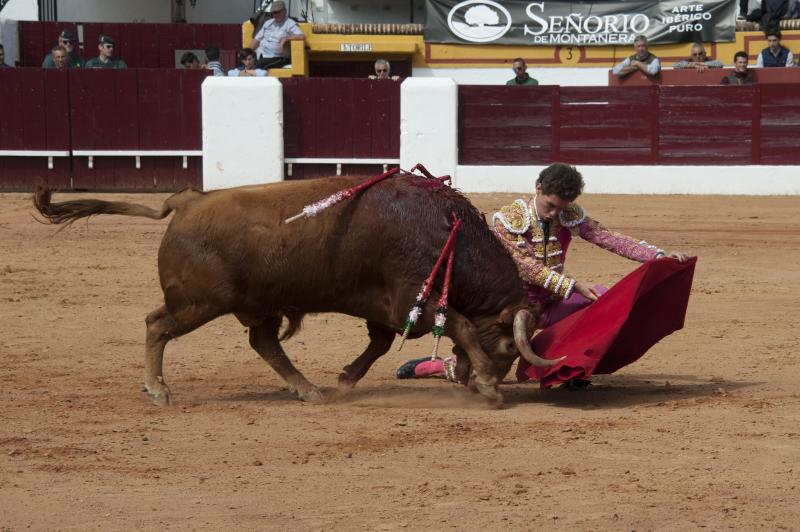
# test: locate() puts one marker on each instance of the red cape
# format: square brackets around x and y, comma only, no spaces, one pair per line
[614,331]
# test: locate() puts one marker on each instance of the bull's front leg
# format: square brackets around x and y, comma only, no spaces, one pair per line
[464,334]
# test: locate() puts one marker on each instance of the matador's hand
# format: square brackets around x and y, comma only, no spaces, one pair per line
[586,291]
[679,256]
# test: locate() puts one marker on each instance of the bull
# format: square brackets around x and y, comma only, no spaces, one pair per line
[229,251]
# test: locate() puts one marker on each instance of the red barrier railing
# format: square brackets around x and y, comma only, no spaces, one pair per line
[355,122]
[34,106]
[711,76]
[100,129]
[714,125]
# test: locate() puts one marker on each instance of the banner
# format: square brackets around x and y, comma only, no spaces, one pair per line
[561,23]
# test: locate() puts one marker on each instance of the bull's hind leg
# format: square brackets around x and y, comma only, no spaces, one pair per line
[380,340]
[161,328]
[264,339]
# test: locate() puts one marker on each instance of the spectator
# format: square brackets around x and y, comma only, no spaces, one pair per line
[212,61]
[521,76]
[60,60]
[3,58]
[106,57]
[248,67]
[770,13]
[699,61]
[774,55]
[190,61]
[383,71]
[67,42]
[740,75]
[642,60]
[272,40]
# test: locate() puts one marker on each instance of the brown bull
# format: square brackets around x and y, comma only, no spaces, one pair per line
[229,251]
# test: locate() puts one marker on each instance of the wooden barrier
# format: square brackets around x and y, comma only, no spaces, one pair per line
[34,137]
[136,128]
[353,121]
[712,76]
[719,125]
[499,126]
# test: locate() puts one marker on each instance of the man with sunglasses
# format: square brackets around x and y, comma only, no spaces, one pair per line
[699,61]
[521,76]
[67,42]
[383,71]
[106,58]
[271,41]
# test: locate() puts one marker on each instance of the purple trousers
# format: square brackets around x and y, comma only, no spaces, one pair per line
[559,310]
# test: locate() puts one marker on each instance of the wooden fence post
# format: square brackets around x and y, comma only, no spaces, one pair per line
[755,128]
[555,140]
[655,99]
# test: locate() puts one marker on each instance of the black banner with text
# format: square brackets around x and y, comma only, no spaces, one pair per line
[599,23]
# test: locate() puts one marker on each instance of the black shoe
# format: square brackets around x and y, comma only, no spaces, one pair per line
[576,384]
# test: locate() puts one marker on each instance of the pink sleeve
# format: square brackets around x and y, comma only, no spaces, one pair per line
[592,231]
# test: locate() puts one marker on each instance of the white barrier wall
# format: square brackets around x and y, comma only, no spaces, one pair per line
[242,131]
[429,124]
[243,144]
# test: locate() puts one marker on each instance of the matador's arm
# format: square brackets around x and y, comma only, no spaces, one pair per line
[593,231]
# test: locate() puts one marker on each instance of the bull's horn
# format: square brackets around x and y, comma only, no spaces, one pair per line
[521,321]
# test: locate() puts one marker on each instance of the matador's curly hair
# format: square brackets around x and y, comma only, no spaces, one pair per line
[561,179]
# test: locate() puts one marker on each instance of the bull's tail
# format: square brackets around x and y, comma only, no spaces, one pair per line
[67,212]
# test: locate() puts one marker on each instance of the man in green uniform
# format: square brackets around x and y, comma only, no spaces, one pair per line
[67,42]
[106,57]
[521,76]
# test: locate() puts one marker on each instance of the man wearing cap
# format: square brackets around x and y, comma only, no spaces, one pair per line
[271,42]
[106,57]
[67,42]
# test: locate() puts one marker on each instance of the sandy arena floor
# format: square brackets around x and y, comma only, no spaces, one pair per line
[703,432]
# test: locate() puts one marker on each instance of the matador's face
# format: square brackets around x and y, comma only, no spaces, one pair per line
[549,206]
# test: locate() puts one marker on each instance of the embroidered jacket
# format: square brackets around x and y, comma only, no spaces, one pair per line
[518,229]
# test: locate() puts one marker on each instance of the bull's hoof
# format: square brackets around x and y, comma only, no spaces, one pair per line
[312,395]
[158,394]
[490,393]
[346,382]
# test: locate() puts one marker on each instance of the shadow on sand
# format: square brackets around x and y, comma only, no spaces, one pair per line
[606,392]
